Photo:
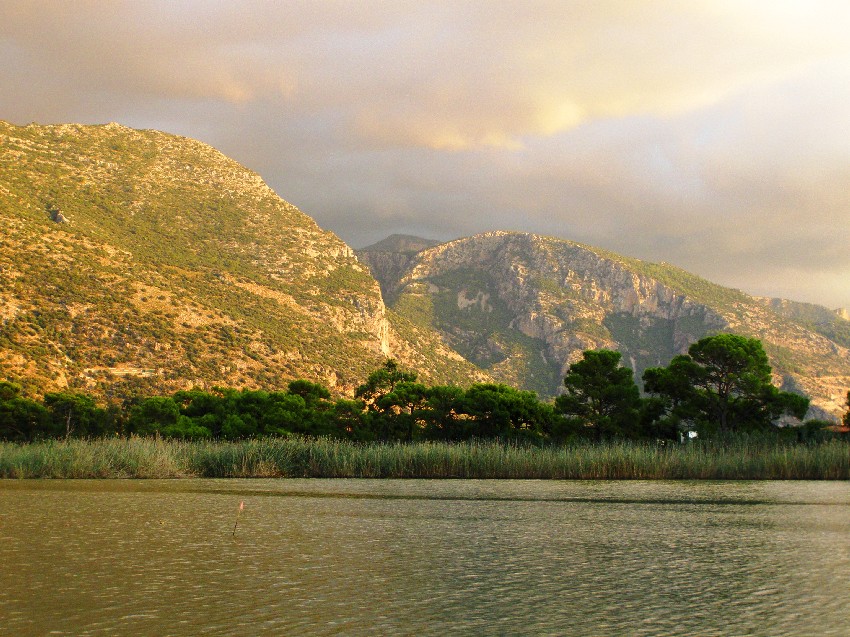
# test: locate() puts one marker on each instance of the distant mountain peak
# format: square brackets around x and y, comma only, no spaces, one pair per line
[401,243]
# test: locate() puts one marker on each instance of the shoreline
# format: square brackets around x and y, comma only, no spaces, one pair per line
[294,457]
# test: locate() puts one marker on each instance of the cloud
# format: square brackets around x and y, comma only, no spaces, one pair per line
[711,134]
[485,76]
[443,75]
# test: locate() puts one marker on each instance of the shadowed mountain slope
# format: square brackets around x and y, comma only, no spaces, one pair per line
[389,258]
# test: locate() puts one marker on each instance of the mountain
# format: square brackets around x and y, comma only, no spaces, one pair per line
[400,244]
[141,262]
[137,261]
[523,307]
[390,257]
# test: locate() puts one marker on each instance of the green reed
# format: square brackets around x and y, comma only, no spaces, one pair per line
[736,459]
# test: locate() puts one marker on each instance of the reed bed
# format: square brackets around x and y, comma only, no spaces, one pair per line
[295,457]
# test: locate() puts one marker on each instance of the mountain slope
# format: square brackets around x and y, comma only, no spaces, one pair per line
[524,307]
[140,261]
[390,257]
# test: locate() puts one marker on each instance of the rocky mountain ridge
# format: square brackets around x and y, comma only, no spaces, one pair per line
[523,307]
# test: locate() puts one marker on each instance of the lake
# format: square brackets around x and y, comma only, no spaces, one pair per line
[424,557]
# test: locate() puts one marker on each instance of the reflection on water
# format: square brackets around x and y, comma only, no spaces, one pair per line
[326,557]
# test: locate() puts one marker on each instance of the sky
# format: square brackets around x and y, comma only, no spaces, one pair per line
[710,134]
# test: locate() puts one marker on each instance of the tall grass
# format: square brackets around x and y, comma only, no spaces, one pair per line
[326,458]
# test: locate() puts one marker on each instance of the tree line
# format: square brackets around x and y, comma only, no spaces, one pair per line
[722,386]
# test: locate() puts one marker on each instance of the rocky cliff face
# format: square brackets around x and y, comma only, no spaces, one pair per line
[524,307]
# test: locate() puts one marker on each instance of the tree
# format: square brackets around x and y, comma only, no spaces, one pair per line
[730,375]
[8,390]
[723,381]
[351,421]
[316,417]
[442,413]
[847,415]
[401,409]
[283,414]
[153,414]
[672,400]
[206,409]
[500,411]
[21,419]
[312,393]
[601,395]
[382,381]
[237,426]
[74,414]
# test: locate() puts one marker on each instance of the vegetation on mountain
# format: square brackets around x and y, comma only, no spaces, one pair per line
[175,267]
[137,264]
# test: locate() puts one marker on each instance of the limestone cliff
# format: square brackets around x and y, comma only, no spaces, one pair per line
[524,307]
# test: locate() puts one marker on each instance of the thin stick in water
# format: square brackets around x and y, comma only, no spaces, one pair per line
[238,511]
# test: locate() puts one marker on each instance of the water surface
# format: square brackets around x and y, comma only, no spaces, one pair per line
[424,557]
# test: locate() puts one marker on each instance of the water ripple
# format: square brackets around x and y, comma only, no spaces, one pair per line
[424,557]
